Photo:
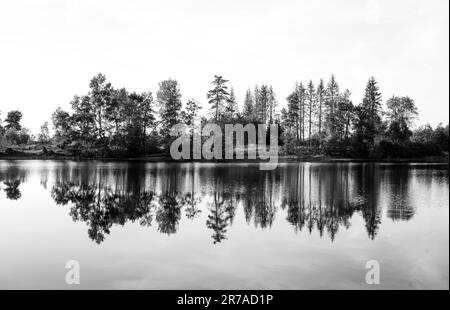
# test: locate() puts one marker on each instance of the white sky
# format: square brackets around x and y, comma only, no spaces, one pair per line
[50,49]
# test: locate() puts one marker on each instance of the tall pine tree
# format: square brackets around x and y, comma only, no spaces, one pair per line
[218,95]
[231,108]
[332,102]
[311,92]
[368,122]
[320,93]
[248,110]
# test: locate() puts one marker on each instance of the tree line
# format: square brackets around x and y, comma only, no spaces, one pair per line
[318,119]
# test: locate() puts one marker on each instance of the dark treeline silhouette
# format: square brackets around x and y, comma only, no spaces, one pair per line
[318,119]
[320,198]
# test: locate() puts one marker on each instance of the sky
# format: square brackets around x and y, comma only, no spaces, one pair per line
[50,49]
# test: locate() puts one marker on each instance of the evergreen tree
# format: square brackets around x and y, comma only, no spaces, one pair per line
[332,99]
[190,114]
[311,92]
[332,93]
[348,110]
[368,121]
[248,110]
[301,92]
[256,95]
[293,114]
[273,105]
[231,109]
[218,219]
[321,94]
[218,95]
[264,98]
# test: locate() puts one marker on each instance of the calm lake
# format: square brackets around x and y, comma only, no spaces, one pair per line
[223,226]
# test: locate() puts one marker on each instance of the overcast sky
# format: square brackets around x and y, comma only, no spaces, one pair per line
[49,50]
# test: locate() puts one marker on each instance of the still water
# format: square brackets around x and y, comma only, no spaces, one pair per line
[223,226]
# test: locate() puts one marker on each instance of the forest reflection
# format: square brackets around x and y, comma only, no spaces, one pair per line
[312,197]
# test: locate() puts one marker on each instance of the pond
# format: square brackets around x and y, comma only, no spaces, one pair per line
[134,225]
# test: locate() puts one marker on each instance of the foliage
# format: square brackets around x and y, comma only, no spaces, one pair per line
[317,120]
[13,120]
[44,134]
[169,100]
[218,96]
[401,112]
[368,114]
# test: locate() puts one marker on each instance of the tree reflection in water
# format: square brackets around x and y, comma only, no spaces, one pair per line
[313,197]
[101,207]
[10,180]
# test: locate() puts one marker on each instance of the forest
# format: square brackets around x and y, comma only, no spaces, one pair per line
[317,119]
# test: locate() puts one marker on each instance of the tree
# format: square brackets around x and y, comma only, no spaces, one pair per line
[44,134]
[218,95]
[2,130]
[368,122]
[100,95]
[190,113]
[62,125]
[83,120]
[343,117]
[18,137]
[347,110]
[114,113]
[218,219]
[321,93]
[423,134]
[293,114]
[273,105]
[257,97]
[401,113]
[13,119]
[169,99]
[146,109]
[248,111]
[287,123]
[440,137]
[231,109]
[133,123]
[332,94]
[263,103]
[311,103]
[301,91]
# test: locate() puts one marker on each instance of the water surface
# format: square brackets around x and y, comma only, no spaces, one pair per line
[223,226]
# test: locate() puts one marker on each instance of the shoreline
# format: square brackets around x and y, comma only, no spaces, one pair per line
[281,159]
